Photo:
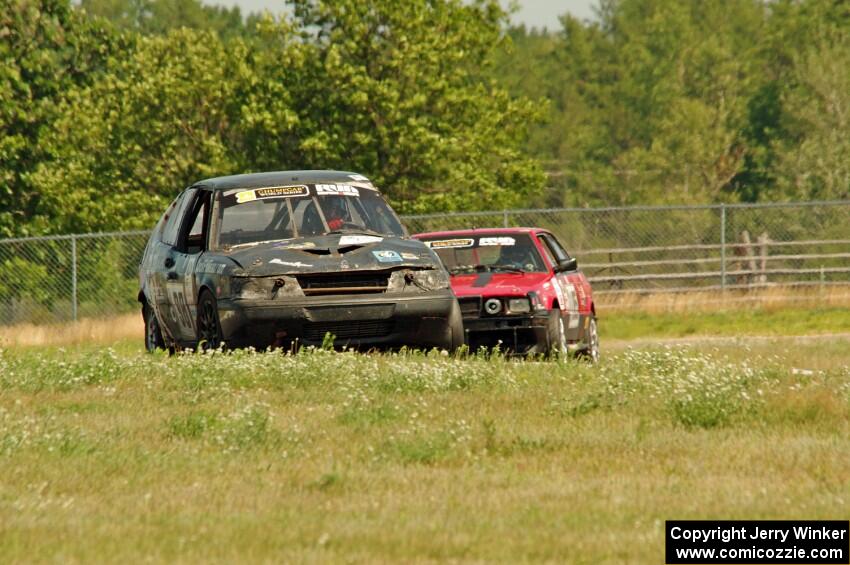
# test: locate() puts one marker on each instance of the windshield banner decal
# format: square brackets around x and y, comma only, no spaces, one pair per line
[271,192]
[485,241]
[336,189]
[449,243]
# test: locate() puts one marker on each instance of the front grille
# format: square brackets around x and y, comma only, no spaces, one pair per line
[470,306]
[344,283]
[358,329]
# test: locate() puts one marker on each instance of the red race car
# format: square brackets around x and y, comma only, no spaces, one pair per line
[518,288]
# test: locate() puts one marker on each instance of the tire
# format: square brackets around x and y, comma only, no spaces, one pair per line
[456,329]
[591,337]
[209,325]
[557,333]
[153,331]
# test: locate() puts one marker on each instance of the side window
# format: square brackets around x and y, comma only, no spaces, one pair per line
[559,249]
[175,213]
[196,225]
[554,248]
[165,218]
[547,252]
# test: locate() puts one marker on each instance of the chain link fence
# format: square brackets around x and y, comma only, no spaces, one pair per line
[674,249]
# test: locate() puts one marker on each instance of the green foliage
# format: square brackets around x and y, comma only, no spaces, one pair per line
[690,102]
[393,90]
[160,16]
[109,107]
[144,97]
[22,279]
[175,109]
[46,49]
[813,160]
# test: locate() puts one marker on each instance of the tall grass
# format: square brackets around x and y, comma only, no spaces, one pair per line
[323,456]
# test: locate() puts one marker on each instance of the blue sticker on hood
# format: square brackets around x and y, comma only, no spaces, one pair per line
[387,256]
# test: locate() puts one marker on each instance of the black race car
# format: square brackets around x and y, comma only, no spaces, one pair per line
[283,259]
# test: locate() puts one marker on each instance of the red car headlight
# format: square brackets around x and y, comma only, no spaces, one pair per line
[519,306]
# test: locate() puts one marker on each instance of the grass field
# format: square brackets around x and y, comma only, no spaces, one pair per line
[114,455]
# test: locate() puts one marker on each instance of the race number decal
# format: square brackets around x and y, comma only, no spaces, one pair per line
[180,313]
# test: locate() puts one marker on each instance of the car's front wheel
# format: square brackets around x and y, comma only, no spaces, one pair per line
[209,325]
[557,333]
[153,332]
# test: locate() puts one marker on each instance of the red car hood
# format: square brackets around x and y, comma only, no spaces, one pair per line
[498,284]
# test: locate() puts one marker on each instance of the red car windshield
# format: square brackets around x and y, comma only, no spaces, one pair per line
[267,214]
[487,253]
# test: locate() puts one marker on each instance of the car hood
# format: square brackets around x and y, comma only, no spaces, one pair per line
[498,284]
[330,253]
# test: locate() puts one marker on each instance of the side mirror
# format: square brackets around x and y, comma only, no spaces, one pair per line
[568,265]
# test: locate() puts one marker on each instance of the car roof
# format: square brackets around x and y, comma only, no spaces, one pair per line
[278,178]
[479,231]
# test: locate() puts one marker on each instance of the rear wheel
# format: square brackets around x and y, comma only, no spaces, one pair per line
[209,326]
[153,332]
[591,338]
[557,333]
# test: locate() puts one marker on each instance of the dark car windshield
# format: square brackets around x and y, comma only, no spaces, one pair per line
[284,212]
[487,253]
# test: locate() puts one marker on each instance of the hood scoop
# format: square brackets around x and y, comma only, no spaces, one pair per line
[315,251]
[325,251]
[343,249]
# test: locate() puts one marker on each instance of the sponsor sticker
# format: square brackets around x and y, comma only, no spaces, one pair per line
[450,243]
[409,256]
[337,189]
[506,241]
[387,256]
[359,239]
[271,192]
[559,292]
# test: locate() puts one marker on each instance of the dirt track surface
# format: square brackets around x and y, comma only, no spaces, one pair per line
[615,344]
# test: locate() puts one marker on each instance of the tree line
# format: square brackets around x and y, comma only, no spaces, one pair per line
[109,107]
[690,101]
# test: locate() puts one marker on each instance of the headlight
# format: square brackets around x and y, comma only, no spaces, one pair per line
[431,279]
[519,306]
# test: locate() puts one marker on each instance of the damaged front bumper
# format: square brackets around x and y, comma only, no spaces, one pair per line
[521,335]
[369,320]
[516,334]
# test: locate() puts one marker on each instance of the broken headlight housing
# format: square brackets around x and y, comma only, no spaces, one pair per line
[265,288]
[430,279]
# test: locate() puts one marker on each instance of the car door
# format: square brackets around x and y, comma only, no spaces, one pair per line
[570,303]
[152,274]
[161,262]
[183,258]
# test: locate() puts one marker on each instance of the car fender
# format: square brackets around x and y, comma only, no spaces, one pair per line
[552,295]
